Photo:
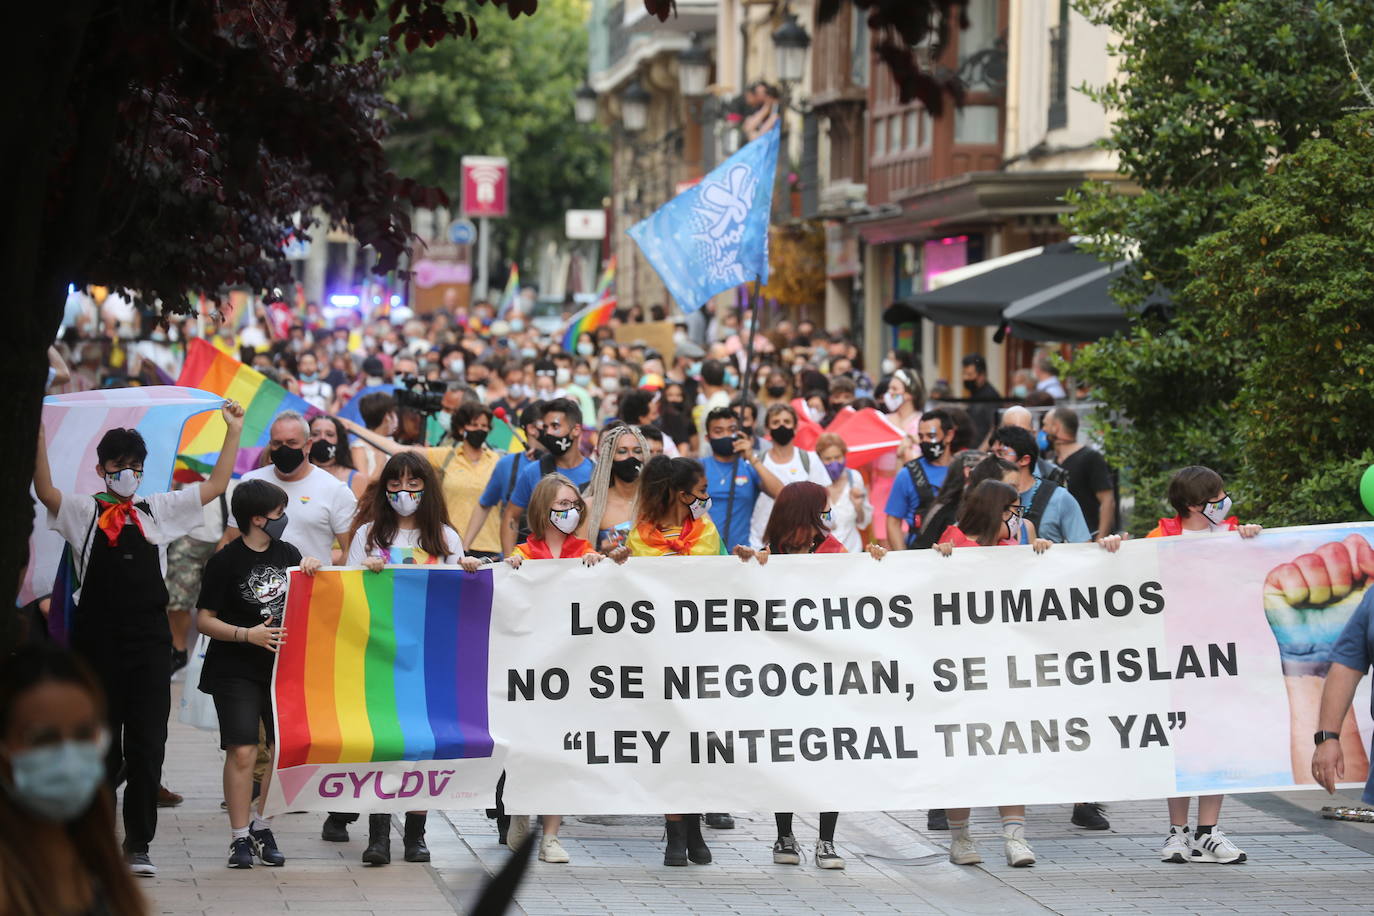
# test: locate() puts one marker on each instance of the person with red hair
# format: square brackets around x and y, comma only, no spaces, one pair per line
[802,522]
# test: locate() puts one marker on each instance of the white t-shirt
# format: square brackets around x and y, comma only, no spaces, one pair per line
[405,549]
[169,516]
[317,394]
[790,472]
[848,522]
[318,507]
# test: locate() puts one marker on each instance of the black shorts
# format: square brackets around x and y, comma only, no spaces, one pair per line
[241,704]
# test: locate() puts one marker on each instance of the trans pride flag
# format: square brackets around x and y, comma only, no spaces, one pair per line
[74,424]
[210,370]
[381,691]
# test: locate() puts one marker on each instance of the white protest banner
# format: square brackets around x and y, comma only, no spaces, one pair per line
[1179,665]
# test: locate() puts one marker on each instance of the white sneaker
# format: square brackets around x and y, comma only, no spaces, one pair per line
[826,856]
[550,850]
[1216,847]
[963,851]
[517,831]
[1178,846]
[1019,853]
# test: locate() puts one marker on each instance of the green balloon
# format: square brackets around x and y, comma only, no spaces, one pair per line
[1367,489]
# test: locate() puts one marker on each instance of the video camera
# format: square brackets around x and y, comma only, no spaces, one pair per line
[419,394]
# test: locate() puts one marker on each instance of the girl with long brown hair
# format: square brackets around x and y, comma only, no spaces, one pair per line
[58,851]
[407,524]
[802,521]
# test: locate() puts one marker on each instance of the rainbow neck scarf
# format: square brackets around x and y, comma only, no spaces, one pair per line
[535,549]
[698,537]
[116,514]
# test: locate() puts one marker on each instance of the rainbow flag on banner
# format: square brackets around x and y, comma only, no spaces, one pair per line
[512,293]
[74,424]
[588,320]
[210,370]
[384,666]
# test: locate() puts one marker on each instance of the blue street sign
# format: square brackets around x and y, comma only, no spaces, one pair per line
[462,232]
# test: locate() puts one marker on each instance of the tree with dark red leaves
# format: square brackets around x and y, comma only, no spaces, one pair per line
[168,147]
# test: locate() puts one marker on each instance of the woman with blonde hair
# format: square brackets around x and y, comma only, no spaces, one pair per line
[614,487]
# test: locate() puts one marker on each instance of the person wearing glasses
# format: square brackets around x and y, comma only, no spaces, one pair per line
[990,515]
[1050,507]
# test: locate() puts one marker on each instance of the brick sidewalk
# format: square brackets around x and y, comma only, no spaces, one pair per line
[1298,863]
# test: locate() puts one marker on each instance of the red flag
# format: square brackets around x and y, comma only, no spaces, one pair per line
[867,433]
[808,430]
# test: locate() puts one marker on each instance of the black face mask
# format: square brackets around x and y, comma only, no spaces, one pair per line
[782,435]
[476,438]
[287,459]
[627,469]
[557,445]
[275,527]
[777,391]
[931,451]
[322,452]
[723,447]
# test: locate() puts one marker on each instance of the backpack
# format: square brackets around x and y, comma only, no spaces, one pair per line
[925,492]
[1038,504]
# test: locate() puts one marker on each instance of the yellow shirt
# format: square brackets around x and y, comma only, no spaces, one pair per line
[463,482]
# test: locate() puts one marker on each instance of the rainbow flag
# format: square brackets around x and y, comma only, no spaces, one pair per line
[74,424]
[607,279]
[210,370]
[588,320]
[505,438]
[512,293]
[384,667]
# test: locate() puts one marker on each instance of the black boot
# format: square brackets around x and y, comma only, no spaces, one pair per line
[697,850]
[378,851]
[936,819]
[335,829]
[676,851]
[416,850]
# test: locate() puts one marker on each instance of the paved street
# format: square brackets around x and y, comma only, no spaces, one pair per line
[1299,863]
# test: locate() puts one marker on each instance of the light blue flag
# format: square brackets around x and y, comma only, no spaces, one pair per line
[714,235]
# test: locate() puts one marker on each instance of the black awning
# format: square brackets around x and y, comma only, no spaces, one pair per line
[980,300]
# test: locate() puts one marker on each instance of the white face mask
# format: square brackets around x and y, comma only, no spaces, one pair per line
[124,483]
[893,401]
[405,502]
[565,520]
[563,376]
[889,366]
[699,507]
[1216,512]
[611,383]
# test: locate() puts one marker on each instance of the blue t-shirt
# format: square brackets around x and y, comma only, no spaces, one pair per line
[904,501]
[1063,521]
[500,486]
[1354,648]
[580,475]
[747,489]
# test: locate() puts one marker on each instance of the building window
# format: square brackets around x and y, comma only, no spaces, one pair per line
[975,124]
[859,49]
[894,134]
[980,35]
[1059,70]
[912,141]
[880,136]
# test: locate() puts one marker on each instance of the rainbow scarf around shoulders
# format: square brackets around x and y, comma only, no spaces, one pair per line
[698,538]
[535,549]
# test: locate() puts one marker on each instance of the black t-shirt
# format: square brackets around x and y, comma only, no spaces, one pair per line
[1089,475]
[244,588]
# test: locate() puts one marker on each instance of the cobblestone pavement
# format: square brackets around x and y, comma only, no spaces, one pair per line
[1299,863]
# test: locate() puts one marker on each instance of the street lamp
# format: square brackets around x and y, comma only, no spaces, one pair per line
[634,108]
[694,71]
[584,104]
[790,42]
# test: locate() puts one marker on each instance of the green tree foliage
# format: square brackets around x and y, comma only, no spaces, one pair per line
[1292,281]
[1207,97]
[508,92]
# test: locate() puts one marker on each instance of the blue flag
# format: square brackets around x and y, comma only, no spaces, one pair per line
[714,235]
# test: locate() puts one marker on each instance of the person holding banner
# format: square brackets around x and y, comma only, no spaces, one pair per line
[120,622]
[674,520]
[560,430]
[407,524]
[802,521]
[556,511]
[1198,495]
[620,456]
[242,598]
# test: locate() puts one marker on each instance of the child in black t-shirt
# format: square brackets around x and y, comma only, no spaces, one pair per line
[242,597]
